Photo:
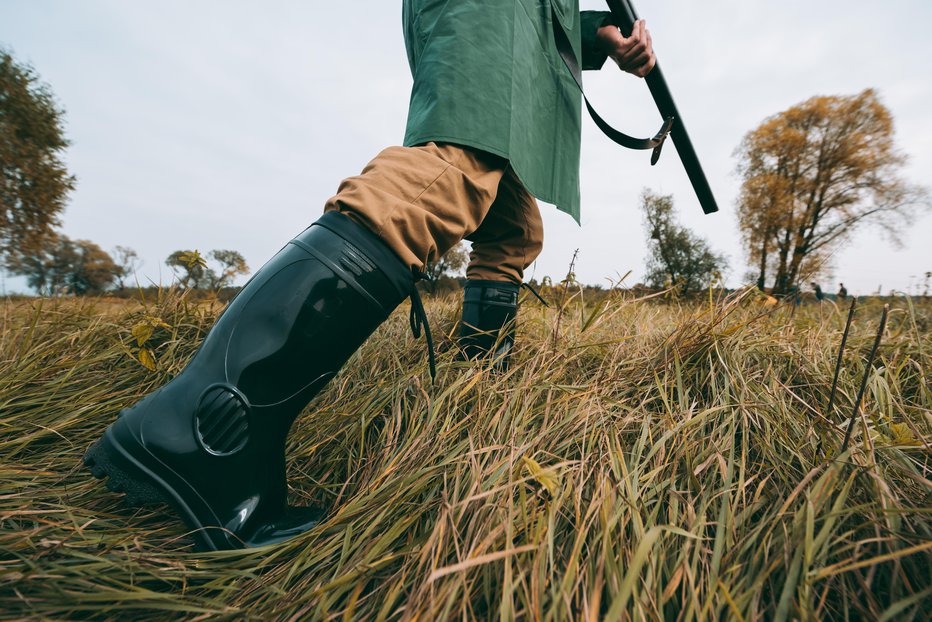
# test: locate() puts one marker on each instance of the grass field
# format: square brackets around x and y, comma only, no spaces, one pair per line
[641,460]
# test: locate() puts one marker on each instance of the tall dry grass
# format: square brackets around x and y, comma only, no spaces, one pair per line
[640,460]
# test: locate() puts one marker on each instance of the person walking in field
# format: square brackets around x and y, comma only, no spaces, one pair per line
[818,292]
[494,121]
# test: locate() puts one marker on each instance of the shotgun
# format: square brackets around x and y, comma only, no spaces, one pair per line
[624,16]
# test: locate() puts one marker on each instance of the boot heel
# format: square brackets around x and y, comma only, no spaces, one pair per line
[105,460]
[109,458]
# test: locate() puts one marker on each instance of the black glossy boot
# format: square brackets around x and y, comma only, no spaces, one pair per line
[488,325]
[211,443]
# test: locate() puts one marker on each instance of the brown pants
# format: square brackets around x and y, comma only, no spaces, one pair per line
[423,200]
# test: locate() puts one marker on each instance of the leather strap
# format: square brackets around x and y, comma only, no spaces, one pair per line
[569,58]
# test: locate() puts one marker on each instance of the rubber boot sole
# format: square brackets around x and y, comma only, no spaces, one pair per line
[143,486]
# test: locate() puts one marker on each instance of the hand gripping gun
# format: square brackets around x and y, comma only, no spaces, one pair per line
[624,17]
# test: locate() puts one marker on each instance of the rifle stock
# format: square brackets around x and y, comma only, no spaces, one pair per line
[624,16]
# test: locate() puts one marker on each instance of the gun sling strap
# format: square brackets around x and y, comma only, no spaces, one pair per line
[569,58]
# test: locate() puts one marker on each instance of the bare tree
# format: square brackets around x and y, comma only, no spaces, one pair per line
[193,271]
[232,264]
[127,262]
[450,264]
[190,267]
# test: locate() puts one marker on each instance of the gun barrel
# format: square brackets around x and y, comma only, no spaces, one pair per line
[624,17]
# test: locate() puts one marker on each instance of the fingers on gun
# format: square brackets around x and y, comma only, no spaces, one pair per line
[635,54]
[646,61]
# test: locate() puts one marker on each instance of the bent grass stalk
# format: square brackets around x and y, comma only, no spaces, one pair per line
[841,352]
[868,368]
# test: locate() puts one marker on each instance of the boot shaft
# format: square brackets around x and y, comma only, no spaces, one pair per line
[211,442]
[488,324]
[304,313]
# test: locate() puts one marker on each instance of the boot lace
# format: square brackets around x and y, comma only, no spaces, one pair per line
[418,320]
[536,295]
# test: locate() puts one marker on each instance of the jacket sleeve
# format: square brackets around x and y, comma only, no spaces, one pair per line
[592,56]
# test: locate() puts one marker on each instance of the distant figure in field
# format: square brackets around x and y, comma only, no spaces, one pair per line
[842,291]
[818,292]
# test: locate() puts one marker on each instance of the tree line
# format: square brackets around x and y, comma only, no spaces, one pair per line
[80,267]
[810,177]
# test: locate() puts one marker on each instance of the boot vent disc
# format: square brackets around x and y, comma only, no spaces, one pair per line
[221,420]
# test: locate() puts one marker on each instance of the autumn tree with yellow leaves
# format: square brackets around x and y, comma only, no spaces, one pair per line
[810,176]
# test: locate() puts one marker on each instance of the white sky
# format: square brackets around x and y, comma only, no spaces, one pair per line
[227,124]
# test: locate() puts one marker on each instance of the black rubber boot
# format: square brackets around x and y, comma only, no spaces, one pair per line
[488,325]
[211,443]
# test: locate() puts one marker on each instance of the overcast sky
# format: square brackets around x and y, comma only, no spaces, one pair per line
[227,124]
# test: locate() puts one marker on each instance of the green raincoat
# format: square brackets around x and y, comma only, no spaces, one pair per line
[487,74]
